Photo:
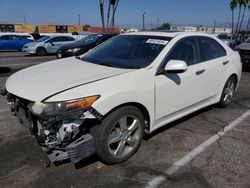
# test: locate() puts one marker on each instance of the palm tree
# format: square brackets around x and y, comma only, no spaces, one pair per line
[245,4]
[114,8]
[102,13]
[108,14]
[111,3]
[233,6]
[248,22]
[240,2]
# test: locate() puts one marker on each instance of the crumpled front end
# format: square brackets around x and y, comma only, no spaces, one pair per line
[63,137]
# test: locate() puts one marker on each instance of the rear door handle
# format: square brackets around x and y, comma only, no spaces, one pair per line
[225,62]
[200,72]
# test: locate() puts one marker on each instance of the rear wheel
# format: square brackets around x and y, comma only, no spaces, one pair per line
[228,92]
[120,135]
[41,51]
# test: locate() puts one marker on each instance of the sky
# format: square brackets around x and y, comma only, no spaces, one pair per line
[129,12]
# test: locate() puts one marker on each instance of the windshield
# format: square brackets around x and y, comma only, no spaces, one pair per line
[127,51]
[43,39]
[90,39]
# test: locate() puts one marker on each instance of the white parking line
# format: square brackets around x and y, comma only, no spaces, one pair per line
[4,110]
[155,182]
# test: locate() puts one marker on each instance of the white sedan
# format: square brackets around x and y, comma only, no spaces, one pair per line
[104,101]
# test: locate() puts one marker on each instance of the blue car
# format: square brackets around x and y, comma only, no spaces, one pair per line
[47,45]
[13,42]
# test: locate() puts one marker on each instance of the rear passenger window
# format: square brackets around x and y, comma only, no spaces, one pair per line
[210,49]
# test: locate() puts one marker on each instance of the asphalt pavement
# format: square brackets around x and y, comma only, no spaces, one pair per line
[224,163]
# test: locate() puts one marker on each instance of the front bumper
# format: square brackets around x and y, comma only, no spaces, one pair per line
[29,50]
[63,54]
[62,138]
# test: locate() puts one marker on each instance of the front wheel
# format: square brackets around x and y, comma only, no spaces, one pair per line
[228,92]
[41,51]
[120,135]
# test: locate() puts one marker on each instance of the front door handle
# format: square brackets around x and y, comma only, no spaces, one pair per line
[225,62]
[200,72]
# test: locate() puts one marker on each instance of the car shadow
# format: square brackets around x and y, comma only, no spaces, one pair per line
[34,55]
[176,123]
[86,162]
[4,70]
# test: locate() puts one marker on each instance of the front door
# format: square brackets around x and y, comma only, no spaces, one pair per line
[178,93]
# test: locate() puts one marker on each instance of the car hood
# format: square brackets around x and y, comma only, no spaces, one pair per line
[42,81]
[74,45]
[243,46]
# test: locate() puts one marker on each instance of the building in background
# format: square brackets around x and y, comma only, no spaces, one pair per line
[18,28]
[202,29]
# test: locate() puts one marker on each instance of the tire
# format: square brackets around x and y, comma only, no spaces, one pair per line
[41,51]
[117,140]
[228,92]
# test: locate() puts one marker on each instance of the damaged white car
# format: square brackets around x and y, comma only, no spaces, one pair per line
[104,101]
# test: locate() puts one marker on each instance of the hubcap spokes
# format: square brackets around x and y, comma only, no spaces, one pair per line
[124,136]
[229,91]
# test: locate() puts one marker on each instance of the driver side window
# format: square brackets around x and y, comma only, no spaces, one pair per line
[185,50]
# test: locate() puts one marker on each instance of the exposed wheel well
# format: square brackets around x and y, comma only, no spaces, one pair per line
[140,107]
[235,77]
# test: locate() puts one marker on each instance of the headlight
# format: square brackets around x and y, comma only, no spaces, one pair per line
[57,108]
[31,45]
[73,50]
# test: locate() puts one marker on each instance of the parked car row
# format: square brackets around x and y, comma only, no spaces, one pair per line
[61,45]
[14,41]
[239,44]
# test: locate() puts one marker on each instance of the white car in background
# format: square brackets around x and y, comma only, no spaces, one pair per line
[105,100]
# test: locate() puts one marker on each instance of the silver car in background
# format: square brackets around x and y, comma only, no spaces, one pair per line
[47,45]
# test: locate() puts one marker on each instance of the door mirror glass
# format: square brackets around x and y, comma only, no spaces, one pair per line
[176,66]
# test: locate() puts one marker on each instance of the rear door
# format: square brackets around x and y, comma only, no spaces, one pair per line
[53,44]
[214,60]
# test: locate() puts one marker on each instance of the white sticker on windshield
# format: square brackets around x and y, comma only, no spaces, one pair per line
[157,41]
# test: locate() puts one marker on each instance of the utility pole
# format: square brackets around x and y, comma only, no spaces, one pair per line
[24,18]
[214,26]
[143,21]
[158,22]
[151,25]
[79,19]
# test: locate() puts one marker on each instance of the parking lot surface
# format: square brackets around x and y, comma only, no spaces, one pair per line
[225,163]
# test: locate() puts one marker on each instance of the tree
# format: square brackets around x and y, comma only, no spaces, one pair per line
[114,8]
[114,5]
[244,4]
[165,26]
[102,13]
[240,3]
[233,6]
[248,22]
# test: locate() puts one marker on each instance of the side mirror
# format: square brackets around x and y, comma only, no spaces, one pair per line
[176,66]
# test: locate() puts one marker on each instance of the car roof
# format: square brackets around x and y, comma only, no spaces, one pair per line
[170,34]
[154,33]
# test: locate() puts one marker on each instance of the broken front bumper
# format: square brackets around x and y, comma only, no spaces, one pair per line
[62,138]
